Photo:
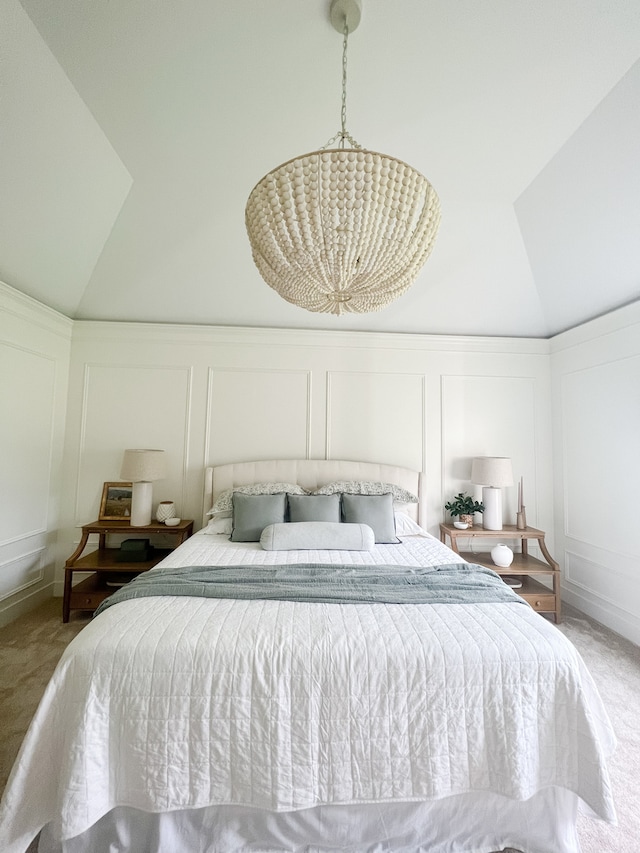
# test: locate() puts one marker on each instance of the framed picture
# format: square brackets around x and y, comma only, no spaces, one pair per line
[116,502]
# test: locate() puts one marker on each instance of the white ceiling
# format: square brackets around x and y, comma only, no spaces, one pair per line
[134,130]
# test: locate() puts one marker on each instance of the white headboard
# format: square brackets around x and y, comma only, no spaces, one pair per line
[310,474]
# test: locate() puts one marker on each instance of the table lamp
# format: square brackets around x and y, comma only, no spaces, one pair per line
[141,468]
[492,473]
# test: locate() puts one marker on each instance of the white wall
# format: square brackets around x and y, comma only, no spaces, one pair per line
[596,429]
[566,411]
[211,395]
[34,361]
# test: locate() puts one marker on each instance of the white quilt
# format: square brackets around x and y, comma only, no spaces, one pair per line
[170,703]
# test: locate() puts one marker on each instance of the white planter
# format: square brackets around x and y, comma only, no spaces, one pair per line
[502,555]
[166,509]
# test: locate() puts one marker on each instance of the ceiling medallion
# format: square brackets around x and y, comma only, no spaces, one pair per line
[342,229]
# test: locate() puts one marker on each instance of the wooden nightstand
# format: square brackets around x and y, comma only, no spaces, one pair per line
[108,573]
[524,566]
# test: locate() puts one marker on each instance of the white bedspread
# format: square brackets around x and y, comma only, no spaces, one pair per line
[170,703]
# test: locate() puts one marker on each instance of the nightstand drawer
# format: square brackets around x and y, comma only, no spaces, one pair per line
[88,594]
[87,600]
[541,603]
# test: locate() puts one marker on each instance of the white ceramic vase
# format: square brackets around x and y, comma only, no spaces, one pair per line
[502,555]
[166,509]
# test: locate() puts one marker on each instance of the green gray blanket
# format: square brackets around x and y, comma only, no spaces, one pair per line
[456,583]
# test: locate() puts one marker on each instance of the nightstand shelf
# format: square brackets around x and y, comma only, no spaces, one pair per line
[542,598]
[107,571]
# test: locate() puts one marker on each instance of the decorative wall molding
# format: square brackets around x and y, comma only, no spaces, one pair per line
[26,308]
[39,504]
[595,371]
[30,583]
[579,426]
[511,430]
[209,451]
[95,331]
[85,413]
[370,377]
[572,570]
[22,537]
[626,317]
[38,342]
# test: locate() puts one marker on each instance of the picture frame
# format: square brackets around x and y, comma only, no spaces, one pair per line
[115,504]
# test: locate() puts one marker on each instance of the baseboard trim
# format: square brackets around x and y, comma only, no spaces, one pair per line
[606,614]
[25,604]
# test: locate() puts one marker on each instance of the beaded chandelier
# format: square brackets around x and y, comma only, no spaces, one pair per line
[342,229]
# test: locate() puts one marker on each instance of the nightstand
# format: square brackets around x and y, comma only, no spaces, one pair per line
[524,567]
[108,573]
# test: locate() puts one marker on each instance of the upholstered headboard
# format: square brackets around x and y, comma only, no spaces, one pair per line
[311,474]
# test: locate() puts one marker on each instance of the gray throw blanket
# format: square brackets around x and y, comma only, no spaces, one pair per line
[456,583]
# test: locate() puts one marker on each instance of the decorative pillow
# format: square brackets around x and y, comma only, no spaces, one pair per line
[252,513]
[218,525]
[367,487]
[312,535]
[406,526]
[314,507]
[224,501]
[374,510]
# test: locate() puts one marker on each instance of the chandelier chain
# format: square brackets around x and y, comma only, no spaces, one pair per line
[343,112]
[343,136]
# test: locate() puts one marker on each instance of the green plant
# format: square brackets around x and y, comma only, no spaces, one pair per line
[464,504]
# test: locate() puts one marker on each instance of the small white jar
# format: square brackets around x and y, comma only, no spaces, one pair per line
[166,509]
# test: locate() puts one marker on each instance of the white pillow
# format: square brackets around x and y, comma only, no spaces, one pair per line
[312,535]
[218,526]
[224,502]
[406,526]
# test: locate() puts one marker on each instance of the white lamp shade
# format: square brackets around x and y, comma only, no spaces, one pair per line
[143,466]
[492,471]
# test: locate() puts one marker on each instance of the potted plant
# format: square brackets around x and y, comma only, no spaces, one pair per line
[463,507]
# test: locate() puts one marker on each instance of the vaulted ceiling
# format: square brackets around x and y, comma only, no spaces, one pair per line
[132,132]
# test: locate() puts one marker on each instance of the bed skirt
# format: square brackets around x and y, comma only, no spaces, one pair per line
[467,823]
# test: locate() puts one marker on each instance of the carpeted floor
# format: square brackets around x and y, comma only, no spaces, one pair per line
[31,646]
[614,664]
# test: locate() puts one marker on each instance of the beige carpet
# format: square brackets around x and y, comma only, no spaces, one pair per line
[614,664]
[31,646]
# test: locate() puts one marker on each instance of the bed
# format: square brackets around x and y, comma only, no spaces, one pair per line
[179,723]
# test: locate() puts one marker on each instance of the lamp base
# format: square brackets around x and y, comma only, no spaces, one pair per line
[492,515]
[141,499]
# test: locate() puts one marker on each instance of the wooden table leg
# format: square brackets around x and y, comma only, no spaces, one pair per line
[66,598]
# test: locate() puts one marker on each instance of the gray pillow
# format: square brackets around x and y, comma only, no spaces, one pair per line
[374,510]
[314,507]
[312,535]
[252,513]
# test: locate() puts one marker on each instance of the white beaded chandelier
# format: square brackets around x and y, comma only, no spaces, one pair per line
[342,229]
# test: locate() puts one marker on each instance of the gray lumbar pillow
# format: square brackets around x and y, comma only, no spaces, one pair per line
[374,510]
[321,535]
[314,507]
[252,513]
